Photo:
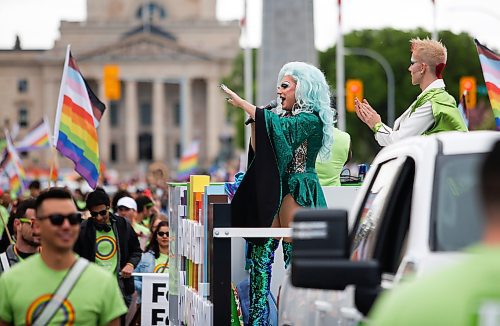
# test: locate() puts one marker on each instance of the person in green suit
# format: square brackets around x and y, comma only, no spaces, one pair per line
[433,111]
[281,177]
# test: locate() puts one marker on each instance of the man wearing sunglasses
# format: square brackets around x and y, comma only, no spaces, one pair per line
[433,111]
[31,288]
[27,238]
[109,241]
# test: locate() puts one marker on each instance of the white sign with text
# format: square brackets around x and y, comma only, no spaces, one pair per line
[154,308]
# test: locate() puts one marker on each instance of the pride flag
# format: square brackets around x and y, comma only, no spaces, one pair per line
[11,165]
[490,63]
[188,163]
[37,138]
[77,117]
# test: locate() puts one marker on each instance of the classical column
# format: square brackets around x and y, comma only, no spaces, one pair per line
[186,112]
[158,119]
[131,122]
[104,127]
[215,118]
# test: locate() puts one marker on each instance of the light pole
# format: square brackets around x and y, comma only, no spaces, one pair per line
[340,74]
[389,73]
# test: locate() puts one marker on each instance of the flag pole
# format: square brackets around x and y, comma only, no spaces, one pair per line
[61,96]
[6,228]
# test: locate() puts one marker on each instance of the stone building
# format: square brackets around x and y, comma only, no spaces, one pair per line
[171,58]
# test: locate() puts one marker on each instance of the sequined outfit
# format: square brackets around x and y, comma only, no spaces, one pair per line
[285,164]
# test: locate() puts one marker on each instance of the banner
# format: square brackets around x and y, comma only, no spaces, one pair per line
[154,307]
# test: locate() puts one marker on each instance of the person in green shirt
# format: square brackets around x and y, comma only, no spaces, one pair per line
[329,170]
[26,289]
[109,241]
[433,111]
[27,238]
[467,293]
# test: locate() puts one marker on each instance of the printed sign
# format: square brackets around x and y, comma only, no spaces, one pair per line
[154,308]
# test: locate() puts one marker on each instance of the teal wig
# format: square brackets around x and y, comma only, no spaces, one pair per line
[312,94]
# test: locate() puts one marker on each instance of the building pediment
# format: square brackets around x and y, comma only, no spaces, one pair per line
[144,47]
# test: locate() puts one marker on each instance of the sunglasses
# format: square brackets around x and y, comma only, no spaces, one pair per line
[162,234]
[123,208]
[149,205]
[102,213]
[26,220]
[58,219]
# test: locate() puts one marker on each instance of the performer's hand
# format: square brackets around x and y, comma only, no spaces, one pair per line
[366,113]
[233,98]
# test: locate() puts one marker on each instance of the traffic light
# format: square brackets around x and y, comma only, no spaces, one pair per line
[112,86]
[353,89]
[468,86]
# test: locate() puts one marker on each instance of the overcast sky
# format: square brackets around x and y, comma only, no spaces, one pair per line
[37,21]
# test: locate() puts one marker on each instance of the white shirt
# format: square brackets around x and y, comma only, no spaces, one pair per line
[409,125]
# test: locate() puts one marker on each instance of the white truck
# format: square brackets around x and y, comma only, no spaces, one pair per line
[417,208]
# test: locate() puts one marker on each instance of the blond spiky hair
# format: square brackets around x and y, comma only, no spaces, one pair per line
[431,52]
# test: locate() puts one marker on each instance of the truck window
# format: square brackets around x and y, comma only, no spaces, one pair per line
[366,227]
[457,217]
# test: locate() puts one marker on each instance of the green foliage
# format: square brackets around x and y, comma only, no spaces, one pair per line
[394,46]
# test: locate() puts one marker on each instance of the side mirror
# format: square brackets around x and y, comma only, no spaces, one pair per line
[321,253]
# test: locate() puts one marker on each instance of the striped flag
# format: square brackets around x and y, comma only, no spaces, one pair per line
[77,118]
[188,163]
[37,138]
[11,165]
[490,63]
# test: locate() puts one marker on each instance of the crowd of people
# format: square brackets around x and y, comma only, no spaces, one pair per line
[100,242]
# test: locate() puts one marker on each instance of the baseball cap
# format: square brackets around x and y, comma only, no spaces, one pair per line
[127,202]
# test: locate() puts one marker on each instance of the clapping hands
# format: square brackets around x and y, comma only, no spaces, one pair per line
[366,113]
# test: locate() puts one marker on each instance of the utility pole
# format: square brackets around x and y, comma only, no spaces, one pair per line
[340,74]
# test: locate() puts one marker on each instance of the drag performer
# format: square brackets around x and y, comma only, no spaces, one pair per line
[281,176]
[433,111]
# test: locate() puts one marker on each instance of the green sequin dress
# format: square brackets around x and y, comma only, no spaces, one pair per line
[296,141]
[284,163]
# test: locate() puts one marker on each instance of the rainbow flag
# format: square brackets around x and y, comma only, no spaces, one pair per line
[490,63]
[188,163]
[37,138]
[77,118]
[12,167]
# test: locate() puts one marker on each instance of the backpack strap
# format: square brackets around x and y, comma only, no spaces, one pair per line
[4,261]
[62,292]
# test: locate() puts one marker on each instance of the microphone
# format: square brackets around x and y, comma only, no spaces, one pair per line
[270,106]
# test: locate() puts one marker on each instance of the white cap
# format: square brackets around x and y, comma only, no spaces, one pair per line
[127,202]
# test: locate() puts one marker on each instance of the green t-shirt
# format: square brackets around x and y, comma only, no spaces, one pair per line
[106,250]
[146,221]
[457,295]
[94,300]
[329,171]
[161,264]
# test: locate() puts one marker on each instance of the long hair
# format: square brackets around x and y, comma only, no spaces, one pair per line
[312,94]
[153,242]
